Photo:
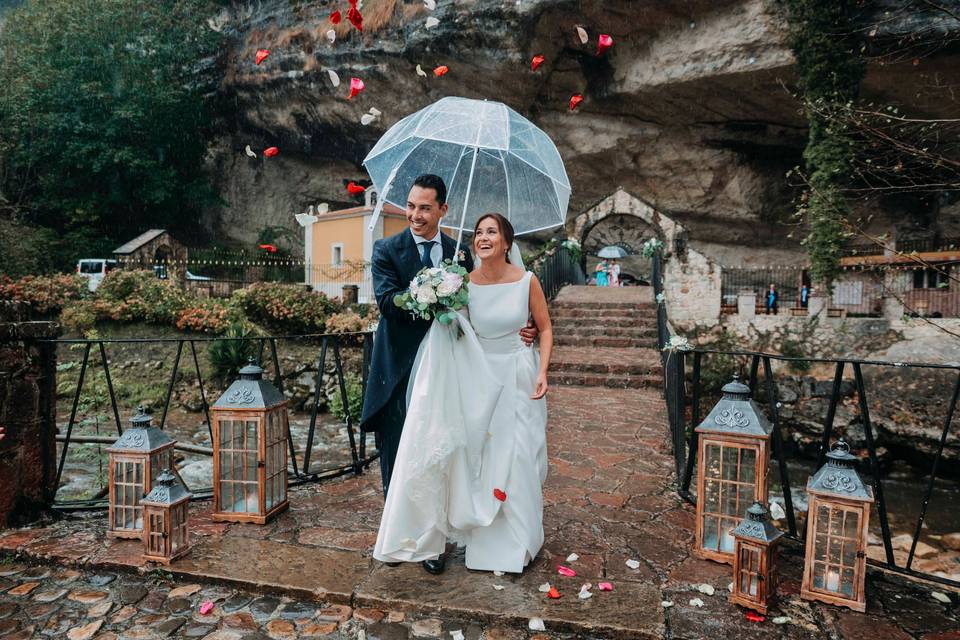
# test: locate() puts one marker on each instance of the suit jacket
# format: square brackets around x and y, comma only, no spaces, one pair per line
[395,262]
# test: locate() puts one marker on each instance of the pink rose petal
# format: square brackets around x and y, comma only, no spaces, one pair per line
[566,571]
[206,608]
[605,586]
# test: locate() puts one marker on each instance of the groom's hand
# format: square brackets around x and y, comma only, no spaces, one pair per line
[529,333]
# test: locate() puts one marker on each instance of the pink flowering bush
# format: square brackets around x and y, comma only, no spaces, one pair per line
[45,294]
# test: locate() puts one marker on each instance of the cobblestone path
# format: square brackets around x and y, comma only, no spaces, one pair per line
[609,498]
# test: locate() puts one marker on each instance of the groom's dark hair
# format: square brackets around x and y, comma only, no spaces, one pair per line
[430,181]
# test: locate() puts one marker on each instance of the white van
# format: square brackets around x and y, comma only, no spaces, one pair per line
[93,269]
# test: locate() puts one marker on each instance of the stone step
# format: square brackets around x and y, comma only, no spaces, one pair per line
[593,312]
[584,330]
[608,380]
[579,304]
[602,321]
[604,341]
[585,359]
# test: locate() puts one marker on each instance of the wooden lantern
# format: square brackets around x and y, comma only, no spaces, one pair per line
[756,543]
[732,464]
[136,459]
[165,512]
[249,450]
[835,563]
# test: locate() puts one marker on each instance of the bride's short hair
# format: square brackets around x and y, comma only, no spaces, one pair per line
[506,229]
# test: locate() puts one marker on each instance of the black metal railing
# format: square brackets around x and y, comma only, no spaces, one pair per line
[330,350]
[679,389]
[558,270]
[928,245]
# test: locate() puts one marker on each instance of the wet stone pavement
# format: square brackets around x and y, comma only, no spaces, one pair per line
[309,573]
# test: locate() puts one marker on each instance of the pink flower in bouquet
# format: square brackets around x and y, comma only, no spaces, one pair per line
[450,285]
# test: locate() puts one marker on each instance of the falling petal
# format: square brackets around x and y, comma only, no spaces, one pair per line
[331,36]
[633,564]
[206,608]
[780,620]
[572,557]
[666,604]
[356,86]
[499,495]
[271,151]
[336,17]
[354,189]
[456,634]
[940,597]
[355,18]
[753,616]
[334,78]
[604,42]
[498,587]
[605,586]
[432,22]
[776,511]
[730,587]
[269,248]
[421,72]
[544,587]
[261,55]
[553,594]
[430,4]
[566,571]
[696,602]
[441,70]
[367,118]
[575,101]
[706,588]
[375,112]
[536,62]
[536,624]
[582,34]
[250,152]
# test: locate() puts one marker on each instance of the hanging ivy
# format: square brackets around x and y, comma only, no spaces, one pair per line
[829,73]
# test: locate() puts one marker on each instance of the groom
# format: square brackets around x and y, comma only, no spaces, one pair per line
[395,262]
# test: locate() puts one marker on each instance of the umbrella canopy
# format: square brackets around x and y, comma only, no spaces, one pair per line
[491,158]
[613,251]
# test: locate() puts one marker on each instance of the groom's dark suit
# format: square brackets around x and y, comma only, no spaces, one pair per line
[395,262]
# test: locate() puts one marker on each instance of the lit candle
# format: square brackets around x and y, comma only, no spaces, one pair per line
[833,581]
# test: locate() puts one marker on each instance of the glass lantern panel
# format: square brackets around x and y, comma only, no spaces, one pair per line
[251,440]
[226,433]
[712,503]
[823,518]
[711,533]
[847,585]
[712,460]
[748,466]
[851,525]
[730,463]
[727,541]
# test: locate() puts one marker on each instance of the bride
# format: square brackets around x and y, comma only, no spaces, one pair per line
[472,457]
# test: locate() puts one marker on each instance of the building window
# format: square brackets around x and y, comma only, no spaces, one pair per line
[930,279]
[336,254]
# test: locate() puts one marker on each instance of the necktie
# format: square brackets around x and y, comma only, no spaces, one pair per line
[425,258]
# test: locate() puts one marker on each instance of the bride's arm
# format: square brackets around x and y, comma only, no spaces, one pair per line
[541,316]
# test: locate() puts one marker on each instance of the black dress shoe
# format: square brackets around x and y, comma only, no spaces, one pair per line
[436,566]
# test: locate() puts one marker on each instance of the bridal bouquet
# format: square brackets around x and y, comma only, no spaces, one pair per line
[436,292]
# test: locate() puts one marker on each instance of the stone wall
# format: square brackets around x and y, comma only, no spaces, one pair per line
[28,414]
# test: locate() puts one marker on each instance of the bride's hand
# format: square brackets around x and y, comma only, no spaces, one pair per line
[541,387]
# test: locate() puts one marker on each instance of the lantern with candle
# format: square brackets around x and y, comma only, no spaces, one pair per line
[755,560]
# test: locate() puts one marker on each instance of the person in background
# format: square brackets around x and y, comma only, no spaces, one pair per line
[804,296]
[602,279]
[771,300]
[614,273]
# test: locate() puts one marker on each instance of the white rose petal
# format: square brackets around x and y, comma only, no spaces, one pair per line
[430,4]
[633,564]
[780,620]
[536,624]
[366,119]
[696,602]
[582,34]
[776,511]
[250,152]
[544,587]
[456,634]
[432,22]
[585,591]
[498,573]
[334,78]
[375,112]
[705,588]
[666,604]
[572,557]
[498,587]
[421,72]
[331,35]
[730,587]
[940,597]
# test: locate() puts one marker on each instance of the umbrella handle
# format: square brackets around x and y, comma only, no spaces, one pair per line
[381,198]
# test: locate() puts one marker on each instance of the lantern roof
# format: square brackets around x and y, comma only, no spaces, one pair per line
[757,525]
[736,414]
[167,490]
[251,391]
[839,477]
[141,437]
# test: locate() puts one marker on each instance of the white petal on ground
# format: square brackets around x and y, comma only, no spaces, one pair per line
[781,620]
[730,587]
[544,587]
[456,634]
[432,22]
[696,602]
[536,624]
[572,557]
[666,604]
[776,511]
[705,588]
[367,118]
[498,573]
[633,564]
[250,152]
[331,35]
[334,78]
[499,587]
[375,112]
[430,4]
[940,597]
[421,72]
[582,34]
[585,592]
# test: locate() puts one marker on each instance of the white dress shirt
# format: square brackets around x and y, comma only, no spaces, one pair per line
[436,251]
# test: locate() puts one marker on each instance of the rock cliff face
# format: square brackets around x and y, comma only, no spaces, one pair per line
[690,110]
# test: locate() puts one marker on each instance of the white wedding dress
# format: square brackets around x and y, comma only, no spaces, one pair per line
[471,435]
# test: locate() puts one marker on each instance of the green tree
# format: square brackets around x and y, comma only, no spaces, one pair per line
[105,111]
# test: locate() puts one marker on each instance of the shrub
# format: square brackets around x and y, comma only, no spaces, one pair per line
[346,322]
[286,308]
[354,398]
[229,356]
[209,316]
[80,316]
[44,293]
[141,296]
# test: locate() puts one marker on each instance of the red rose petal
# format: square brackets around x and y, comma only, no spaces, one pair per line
[269,248]
[575,101]
[566,571]
[441,70]
[553,593]
[206,608]
[753,616]
[336,17]
[604,42]
[261,55]
[355,18]
[499,495]
[536,62]
[356,86]
[271,151]
[354,189]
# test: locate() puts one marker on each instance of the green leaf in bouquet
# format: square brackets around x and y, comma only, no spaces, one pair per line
[399,300]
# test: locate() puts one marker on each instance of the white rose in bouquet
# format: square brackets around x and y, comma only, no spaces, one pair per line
[450,285]
[426,295]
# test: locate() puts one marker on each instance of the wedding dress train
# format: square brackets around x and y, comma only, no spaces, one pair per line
[472,457]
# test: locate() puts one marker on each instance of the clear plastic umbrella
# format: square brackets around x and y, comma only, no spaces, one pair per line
[490,157]
[613,251]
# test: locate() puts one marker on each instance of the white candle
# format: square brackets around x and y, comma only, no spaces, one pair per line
[833,581]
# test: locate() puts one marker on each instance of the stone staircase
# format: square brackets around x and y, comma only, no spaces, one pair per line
[605,337]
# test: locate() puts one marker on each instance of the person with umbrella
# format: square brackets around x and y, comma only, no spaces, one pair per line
[601,271]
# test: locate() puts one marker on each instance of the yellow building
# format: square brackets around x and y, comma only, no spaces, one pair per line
[338,246]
